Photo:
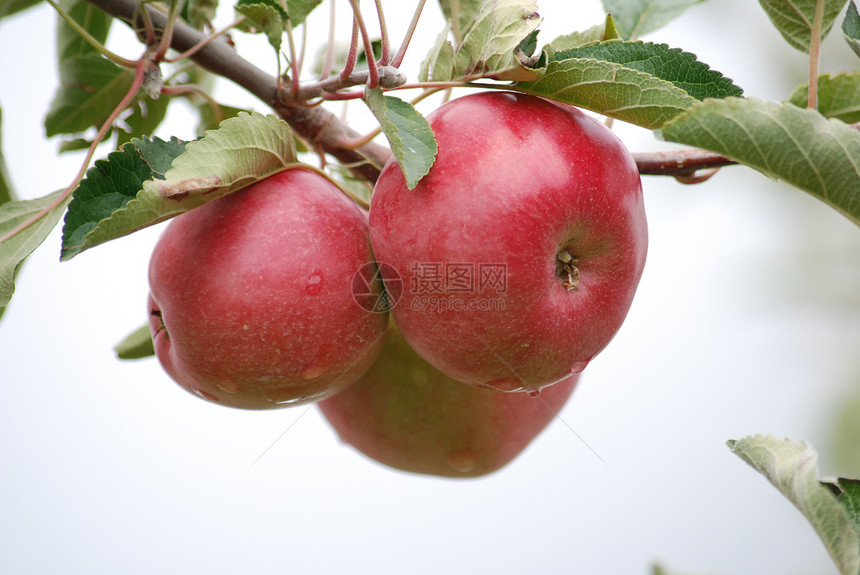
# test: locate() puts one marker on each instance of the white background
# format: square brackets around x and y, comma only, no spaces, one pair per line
[747,320]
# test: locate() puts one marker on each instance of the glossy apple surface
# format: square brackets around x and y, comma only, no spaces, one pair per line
[406,414]
[520,252]
[251,301]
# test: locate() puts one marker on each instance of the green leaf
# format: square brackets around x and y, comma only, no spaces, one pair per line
[244,150]
[298,10]
[636,18]
[847,492]
[838,96]
[659,60]
[9,7]
[461,15]
[438,65]
[15,249]
[795,19]
[147,115]
[7,192]
[200,13]
[69,42]
[90,89]
[597,33]
[796,145]
[610,89]
[851,28]
[792,468]
[267,16]
[136,345]
[409,134]
[108,186]
[489,48]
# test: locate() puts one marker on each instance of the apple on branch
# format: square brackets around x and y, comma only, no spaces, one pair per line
[530,229]
[251,301]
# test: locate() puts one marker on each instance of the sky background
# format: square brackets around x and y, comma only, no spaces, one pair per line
[747,320]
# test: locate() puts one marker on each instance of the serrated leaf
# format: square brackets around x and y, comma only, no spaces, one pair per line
[792,468]
[461,15]
[636,18]
[298,10]
[795,19]
[90,88]
[14,250]
[838,96]
[409,134]
[108,186]
[796,145]
[597,33]
[266,16]
[70,44]
[610,89]
[680,68]
[489,48]
[245,149]
[851,28]
[136,345]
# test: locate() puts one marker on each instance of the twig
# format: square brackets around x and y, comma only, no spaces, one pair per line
[315,125]
[679,163]
[401,52]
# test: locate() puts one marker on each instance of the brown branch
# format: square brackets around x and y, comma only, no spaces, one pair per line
[328,133]
[318,126]
[682,164]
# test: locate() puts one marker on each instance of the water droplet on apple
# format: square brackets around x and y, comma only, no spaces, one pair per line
[463,460]
[506,384]
[533,393]
[229,386]
[313,370]
[208,396]
[579,366]
[315,283]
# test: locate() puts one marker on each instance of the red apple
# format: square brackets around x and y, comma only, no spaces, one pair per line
[251,300]
[408,415]
[519,253]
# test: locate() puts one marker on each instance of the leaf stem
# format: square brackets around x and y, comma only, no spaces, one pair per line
[167,33]
[329,49]
[294,61]
[373,71]
[139,73]
[115,58]
[814,54]
[385,56]
[352,55]
[401,52]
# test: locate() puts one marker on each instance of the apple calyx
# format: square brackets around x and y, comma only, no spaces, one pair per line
[566,269]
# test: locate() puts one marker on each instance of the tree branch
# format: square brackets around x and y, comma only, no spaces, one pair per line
[679,163]
[318,126]
[324,130]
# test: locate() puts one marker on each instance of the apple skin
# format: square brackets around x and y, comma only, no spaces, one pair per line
[251,301]
[517,182]
[408,415]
